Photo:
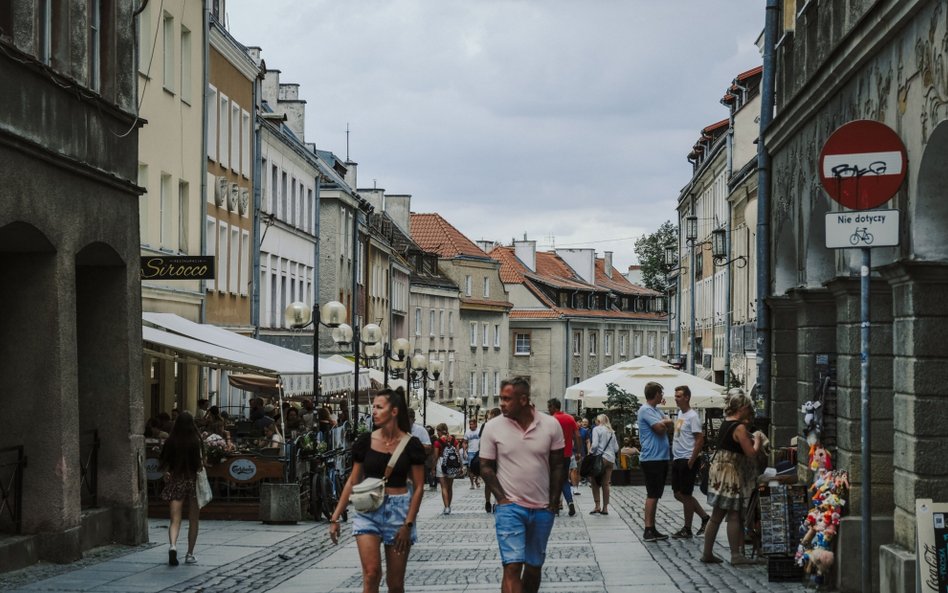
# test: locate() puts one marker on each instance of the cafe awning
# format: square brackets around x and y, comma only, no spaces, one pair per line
[220,348]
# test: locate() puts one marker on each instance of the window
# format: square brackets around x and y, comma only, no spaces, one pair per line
[143,202]
[576,380]
[310,220]
[95,44]
[637,344]
[473,383]
[593,342]
[623,344]
[431,323]
[521,344]
[274,190]
[145,35]
[210,227]
[496,335]
[223,137]
[234,136]
[245,134]
[607,344]
[485,334]
[211,127]
[664,344]
[167,37]
[450,323]
[245,263]
[441,322]
[467,285]
[185,64]
[473,334]
[183,217]
[651,344]
[291,215]
[496,382]
[234,258]
[282,214]
[417,321]
[486,287]
[485,384]
[164,211]
[222,266]
[577,343]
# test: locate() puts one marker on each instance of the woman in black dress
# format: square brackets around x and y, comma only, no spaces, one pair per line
[181,458]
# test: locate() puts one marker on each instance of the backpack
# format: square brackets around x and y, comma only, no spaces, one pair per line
[451,465]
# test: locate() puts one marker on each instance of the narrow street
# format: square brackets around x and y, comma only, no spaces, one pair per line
[455,553]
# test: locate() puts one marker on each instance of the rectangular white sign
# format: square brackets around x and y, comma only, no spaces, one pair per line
[862,163]
[862,228]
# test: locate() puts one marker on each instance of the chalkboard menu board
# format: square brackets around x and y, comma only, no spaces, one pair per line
[932,548]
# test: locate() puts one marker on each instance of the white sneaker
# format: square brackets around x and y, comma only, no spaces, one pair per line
[190,559]
[447,510]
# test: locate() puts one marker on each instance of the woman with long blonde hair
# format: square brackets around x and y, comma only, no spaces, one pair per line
[603,443]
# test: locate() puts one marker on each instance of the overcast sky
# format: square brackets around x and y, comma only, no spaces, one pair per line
[564,119]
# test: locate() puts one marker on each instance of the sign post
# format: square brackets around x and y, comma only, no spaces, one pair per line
[862,165]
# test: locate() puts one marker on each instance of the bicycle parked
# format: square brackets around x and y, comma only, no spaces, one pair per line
[324,473]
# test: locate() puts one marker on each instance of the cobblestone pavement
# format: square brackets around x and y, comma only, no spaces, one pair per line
[455,553]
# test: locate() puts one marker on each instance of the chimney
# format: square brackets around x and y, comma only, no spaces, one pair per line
[270,88]
[374,196]
[398,208]
[526,252]
[486,245]
[295,108]
[607,263]
[583,262]
[351,174]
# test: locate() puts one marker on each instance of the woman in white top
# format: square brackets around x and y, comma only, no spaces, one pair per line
[603,442]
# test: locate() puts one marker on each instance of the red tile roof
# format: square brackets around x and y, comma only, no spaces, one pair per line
[436,235]
[618,282]
[485,302]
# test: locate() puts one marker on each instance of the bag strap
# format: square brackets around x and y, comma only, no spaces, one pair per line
[396,454]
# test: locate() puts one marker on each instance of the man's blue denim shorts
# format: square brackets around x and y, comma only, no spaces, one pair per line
[385,521]
[522,533]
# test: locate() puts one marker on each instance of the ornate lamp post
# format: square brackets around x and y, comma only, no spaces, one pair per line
[418,369]
[472,403]
[368,336]
[297,316]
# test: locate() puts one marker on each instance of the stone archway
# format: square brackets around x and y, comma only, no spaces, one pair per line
[930,208]
[30,368]
[101,341]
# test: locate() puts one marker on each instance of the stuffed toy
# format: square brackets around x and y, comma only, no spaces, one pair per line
[811,421]
[828,492]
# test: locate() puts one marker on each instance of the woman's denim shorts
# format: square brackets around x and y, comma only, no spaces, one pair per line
[385,521]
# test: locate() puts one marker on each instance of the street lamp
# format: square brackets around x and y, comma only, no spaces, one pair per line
[673,266]
[368,336]
[395,354]
[691,235]
[720,250]
[418,369]
[466,404]
[297,316]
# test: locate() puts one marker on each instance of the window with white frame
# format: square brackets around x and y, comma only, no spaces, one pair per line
[450,323]
[223,139]
[521,344]
[623,344]
[234,137]
[291,214]
[431,322]
[496,335]
[473,334]
[577,343]
[473,385]
[185,64]
[245,261]
[441,322]
[164,212]
[212,106]
[485,334]
[245,135]
[486,287]
[664,344]
[496,382]
[418,321]
[184,199]
[485,383]
[651,344]
[167,66]
[210,229]
[593,343]
[607,344]
[234,258]
[222,261]
[637,344]
[468,283]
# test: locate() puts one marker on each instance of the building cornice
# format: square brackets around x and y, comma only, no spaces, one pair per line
[236,55]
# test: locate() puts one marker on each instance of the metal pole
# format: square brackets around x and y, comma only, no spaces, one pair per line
[691,344]
[386,352]
[356,345]
[866,421]
[424,397]
[315,356]
[727,306]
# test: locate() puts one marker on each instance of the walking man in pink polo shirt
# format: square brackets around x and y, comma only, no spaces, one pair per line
[522,464]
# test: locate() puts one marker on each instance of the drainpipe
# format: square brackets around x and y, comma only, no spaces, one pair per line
[763,208]
[316,286]
[568,360]
[205,78]
[257,173]
[727,246]
[692,346]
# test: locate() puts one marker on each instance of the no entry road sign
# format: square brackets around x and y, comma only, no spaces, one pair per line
[862,164]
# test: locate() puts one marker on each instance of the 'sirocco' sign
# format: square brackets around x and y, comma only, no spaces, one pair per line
[177,267]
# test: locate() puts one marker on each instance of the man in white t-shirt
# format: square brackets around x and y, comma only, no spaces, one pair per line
[473,439]
[686,453]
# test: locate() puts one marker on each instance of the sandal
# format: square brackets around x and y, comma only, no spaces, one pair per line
[595,512]
[745,561]
[712,560]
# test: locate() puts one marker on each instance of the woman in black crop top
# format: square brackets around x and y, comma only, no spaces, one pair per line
[393,524]
[732,476]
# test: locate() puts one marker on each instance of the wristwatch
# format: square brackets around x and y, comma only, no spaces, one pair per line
[409,524]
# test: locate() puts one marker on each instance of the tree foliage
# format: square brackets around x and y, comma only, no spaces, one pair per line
[623,408]
[650,250]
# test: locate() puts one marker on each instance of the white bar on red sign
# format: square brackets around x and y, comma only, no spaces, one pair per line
[862,163]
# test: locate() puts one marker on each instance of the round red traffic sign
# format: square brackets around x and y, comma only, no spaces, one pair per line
[863,164]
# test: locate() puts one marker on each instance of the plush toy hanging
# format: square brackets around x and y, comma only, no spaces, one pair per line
[828,497]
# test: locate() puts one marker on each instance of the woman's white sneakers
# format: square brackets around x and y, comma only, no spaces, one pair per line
[190,559]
